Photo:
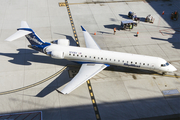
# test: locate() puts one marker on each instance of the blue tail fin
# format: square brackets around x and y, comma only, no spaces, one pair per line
[36,42]
[32,37]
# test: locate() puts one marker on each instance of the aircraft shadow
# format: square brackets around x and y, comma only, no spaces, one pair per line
[62,79]
[130,70]
[26,56]
[155,108]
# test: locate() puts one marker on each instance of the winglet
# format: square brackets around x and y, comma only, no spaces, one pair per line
[83,28]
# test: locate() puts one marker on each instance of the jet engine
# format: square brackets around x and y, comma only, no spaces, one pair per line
[57,54]
[64,42]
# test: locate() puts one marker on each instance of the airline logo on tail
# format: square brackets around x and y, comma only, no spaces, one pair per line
[33,39]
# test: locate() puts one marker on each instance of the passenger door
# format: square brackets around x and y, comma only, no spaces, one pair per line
[152,66]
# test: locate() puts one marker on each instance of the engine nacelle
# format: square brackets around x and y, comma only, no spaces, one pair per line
[64,42]
[57,54]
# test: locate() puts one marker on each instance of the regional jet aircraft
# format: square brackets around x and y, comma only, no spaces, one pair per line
[92,58]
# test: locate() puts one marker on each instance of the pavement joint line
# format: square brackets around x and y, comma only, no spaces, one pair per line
[88,82]
[35,84]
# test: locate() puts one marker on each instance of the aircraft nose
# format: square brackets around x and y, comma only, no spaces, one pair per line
[172,68]
[175,69]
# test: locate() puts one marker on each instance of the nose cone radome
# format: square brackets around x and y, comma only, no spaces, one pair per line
[172,68]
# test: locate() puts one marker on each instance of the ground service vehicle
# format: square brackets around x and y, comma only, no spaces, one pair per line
[126,24]
[149,18]
[174,15]
[133,16]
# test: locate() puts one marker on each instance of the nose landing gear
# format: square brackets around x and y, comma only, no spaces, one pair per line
[163,73]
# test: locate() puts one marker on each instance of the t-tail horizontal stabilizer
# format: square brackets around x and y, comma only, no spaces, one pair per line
[36,42]
[22,31]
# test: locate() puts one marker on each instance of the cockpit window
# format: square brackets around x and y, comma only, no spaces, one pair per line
[167,63]
[163,65]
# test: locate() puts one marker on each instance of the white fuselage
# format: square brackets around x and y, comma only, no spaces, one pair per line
[80,54]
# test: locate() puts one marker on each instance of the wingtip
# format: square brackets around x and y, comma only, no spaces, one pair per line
[7,40]
[63,93]
[60,92]
[83,28]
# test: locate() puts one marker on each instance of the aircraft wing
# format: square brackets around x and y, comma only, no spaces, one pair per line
[86,72]
[90,42]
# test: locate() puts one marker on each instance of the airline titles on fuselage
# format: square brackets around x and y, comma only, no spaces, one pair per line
[72,52]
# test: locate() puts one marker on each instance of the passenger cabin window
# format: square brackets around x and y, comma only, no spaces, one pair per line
[89,56]
[135,62]
[118,60]
[69,54]
[85,56]
[81,55]
[101,58]
[94,57]
[77,55]
[73,54]
[143,63]
[131,62]
[114,60]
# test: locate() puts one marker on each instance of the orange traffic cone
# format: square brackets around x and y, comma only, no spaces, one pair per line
[163,13]
[95,33]
[137,34]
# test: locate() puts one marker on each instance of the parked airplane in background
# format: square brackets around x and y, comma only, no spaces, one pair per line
[92,58]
